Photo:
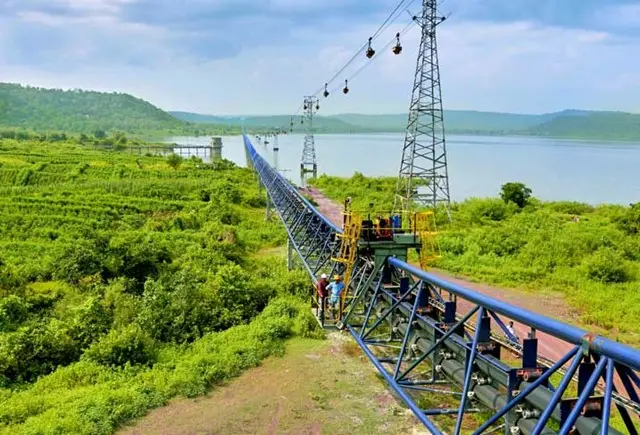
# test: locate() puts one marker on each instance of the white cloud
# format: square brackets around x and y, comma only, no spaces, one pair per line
[521,67]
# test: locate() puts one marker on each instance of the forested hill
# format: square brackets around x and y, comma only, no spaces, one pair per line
[87,111]
[599,125]
[569,124]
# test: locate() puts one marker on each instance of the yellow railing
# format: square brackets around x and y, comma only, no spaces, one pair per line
[349,245]
[425,226]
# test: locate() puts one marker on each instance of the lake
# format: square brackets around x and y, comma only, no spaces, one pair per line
[586,171]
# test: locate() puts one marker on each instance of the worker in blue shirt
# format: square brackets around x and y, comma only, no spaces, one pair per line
[335,290]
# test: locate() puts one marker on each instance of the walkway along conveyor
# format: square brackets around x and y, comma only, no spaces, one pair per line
[407,323]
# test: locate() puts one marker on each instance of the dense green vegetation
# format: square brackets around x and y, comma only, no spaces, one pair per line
[569,124]
[589,254]
[78,111]
[125,281]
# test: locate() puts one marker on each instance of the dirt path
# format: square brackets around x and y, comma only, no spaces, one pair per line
[318,387]
[330,209]
[549,305]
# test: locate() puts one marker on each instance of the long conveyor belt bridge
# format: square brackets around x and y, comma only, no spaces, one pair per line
[445,350]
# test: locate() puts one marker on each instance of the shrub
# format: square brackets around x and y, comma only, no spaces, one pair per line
[606,265]
[90,321]
[77,261]
[629,222]
[177,308]
[35,350]
[13,311]
[476,210]
[174,160]
[138,258]
[120,347]
[571,207]
[237,297]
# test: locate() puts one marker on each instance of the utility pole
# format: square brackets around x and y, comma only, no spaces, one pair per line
[308,163]
[423,177]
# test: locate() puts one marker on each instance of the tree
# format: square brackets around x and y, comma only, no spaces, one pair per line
[517,193]
[629,222]
[174,160]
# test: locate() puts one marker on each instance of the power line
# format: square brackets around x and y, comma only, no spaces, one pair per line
[386,47]
[391,18]
[400,8]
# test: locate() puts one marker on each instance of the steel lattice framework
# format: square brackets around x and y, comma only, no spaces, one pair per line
[308,163]
[427,336]
[423,177]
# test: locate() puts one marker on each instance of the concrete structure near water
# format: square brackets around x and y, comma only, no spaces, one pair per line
[216,147]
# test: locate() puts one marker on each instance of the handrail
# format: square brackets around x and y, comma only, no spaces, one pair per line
[603,346]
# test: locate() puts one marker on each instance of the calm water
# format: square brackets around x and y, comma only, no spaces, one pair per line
[592,172]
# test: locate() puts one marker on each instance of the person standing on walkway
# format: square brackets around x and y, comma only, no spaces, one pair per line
[335,290]
[512,331]
[321,288]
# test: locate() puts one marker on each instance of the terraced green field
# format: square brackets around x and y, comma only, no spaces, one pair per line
[125,281]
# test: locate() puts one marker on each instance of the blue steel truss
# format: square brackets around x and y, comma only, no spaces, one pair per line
[311,234]
[443,363]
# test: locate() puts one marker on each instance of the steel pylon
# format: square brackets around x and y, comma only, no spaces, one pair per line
[308,163]
[423,177]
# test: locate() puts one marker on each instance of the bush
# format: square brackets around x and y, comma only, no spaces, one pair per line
[138,258]
[13,311]
[174,160]
[177,308]
[237,297]
[120,347]
[78,261]
[606,265]
[571,207]
[35,350]
[629,222]
[90,321]
[477,211]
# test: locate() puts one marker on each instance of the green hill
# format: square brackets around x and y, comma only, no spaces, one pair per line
[455,121]
[86,112]
[593,125]
[322,124]
[570,124]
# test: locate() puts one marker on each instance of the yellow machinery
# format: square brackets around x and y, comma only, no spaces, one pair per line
[425,227]
[349,245]
[385,230]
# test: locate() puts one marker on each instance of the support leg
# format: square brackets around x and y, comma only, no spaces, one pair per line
[289,255]
[268,208]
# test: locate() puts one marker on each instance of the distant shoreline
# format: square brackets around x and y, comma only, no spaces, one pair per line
[632,142]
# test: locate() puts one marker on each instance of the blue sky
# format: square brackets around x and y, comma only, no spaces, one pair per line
[262,56]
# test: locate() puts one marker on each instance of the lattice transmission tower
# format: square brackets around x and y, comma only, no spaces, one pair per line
[423,178]
[308,163]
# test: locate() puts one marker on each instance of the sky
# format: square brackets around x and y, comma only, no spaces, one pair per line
[229,57]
